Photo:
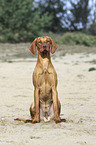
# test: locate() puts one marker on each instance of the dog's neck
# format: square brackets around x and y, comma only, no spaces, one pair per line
[44,61]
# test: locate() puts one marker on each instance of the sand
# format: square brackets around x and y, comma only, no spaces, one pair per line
[76,91]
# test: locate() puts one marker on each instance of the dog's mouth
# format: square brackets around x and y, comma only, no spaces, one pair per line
[44,53]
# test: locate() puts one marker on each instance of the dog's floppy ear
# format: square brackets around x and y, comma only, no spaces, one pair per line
[53,46]
[32,48]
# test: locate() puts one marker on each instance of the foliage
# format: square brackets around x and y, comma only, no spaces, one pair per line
[80,12]
[55,8]
[23,20]
[74,38]
[20,21]
[78,39]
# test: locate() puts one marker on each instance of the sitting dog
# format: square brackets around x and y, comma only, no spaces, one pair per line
[46,104]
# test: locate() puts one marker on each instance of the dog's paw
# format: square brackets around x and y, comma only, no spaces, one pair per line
[35,121]
[63,120]
[46,119]
[60,120]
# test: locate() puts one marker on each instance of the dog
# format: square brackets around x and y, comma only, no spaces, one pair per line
[46,103]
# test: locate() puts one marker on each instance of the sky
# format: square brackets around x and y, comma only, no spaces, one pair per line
[92,6]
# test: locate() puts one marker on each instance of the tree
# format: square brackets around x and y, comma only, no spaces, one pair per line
[80,12]
[20,21]
[94,10]
[55,8]
[92,28]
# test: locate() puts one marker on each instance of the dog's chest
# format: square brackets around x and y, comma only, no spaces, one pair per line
[45,84]
[44,77]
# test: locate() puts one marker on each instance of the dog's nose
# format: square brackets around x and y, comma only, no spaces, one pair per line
[44,45]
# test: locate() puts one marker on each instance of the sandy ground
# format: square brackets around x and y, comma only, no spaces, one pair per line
[77,93]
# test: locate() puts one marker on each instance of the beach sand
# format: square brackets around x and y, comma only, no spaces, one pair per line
[76,91]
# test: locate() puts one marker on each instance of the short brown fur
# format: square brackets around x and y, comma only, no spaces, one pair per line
[46,103]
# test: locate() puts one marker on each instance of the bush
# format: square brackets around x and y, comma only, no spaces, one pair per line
[74,38]
[20,21]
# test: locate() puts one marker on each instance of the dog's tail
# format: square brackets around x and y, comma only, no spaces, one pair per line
[24,120]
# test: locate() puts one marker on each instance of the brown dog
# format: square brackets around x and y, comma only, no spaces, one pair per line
[46,103]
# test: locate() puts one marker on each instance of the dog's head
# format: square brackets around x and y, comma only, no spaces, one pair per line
[43,45]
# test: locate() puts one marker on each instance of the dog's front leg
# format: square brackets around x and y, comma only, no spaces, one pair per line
[55,105]
[36,102]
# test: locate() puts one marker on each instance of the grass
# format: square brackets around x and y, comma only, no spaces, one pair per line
[67,43]
[19,52]
[74,38]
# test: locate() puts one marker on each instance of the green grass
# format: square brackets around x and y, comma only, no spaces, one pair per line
[70,38]
[74,38]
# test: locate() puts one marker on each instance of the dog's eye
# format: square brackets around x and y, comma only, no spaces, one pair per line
[48,41]
[39,42]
